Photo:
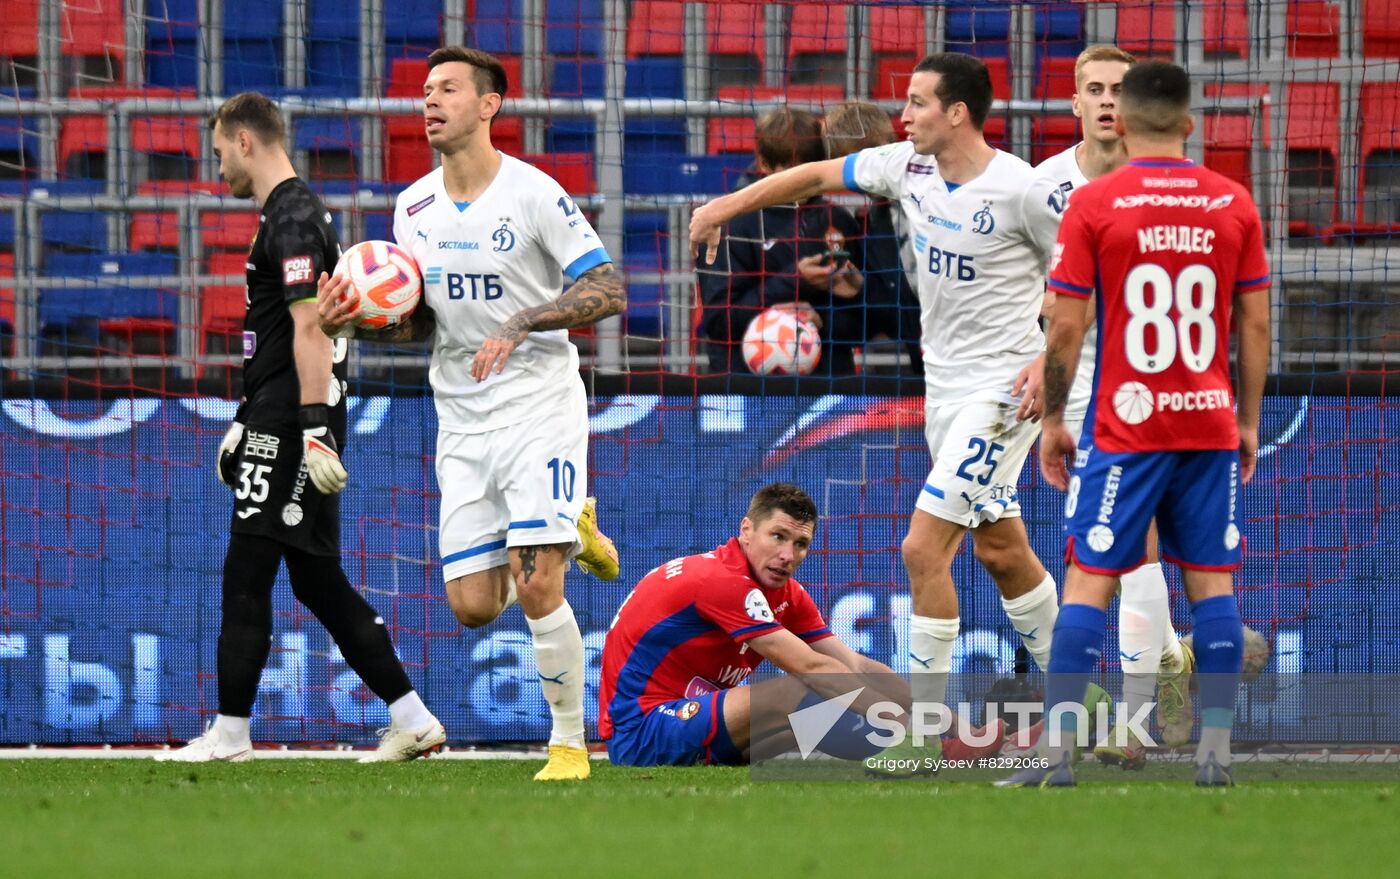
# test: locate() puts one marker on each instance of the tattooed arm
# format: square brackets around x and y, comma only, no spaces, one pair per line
[338,307]
[1062,346]
[598,293]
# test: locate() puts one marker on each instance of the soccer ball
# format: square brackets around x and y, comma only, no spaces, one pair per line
[777,342]
[387,279]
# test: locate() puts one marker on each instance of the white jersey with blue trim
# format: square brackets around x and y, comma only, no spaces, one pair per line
[981,251]
[1063,170]
[508,250]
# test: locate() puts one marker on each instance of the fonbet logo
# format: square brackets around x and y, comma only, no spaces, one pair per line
[812,725]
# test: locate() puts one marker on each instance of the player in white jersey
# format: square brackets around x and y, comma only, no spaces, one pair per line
[495,238]
[984,227]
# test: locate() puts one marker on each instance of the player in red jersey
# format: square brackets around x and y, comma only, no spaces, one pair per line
[1169,249]
[696,627]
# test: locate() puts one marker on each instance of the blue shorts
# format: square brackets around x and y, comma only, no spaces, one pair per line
[681,732]
[1194,496]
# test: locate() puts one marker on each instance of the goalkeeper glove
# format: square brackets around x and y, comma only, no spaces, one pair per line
[228,453]
[318,449]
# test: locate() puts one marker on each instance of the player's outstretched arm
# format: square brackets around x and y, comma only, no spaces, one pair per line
[598,293]
[826,675]
[785,187]
[338,307]
[1252,318]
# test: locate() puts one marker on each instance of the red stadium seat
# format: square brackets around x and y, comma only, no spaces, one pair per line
[166,135]
[227,231]
[92,27]
[817,44]
[1313,142]
[1380,32]
[19,38]
[1378,184]
[1055,133]
[7,303]
[573,171]
[999,69]
[736,41]
[1313,28]
[735,134]
[1230,136]
[1225,28]
[1147,29]
[222,308]
[656,27]
[731,134]
[896,44]
[1056,79]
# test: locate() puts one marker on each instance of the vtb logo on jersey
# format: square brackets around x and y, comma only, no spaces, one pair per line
[503,238]
[983,222]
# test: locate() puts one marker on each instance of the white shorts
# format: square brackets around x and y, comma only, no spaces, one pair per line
[519,485]
[978,449]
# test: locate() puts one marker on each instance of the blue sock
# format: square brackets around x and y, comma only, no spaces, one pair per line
[1075,651]
[1219,645]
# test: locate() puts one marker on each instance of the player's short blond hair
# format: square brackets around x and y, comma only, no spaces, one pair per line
[855,125]
[1099,52]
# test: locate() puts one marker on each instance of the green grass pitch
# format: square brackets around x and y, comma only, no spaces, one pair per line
[330,818]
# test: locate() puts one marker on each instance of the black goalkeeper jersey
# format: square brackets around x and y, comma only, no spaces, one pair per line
[295,242]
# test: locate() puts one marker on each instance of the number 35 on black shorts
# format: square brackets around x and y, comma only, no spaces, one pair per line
[274,497]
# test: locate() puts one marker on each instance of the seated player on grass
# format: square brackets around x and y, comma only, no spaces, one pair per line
[696,627]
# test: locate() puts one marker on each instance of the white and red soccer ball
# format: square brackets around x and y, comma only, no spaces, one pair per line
[778,342]
[387,279]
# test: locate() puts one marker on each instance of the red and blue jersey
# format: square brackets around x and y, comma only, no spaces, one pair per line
[1166,245]
[684,632]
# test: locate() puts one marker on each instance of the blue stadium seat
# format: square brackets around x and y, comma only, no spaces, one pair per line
[656,78]
[172,43]
[415,20]
[333,47]
[253,46]
[644,238]
[7,229]
[573,27]
[655,135]
[19,142]
[379,226]
[980,28]
[576,79]
[681,174]
[1059,22]
[644,313]
[568,135]
[60,307]
[496,28]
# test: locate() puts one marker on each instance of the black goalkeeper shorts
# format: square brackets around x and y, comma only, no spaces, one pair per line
[274,496]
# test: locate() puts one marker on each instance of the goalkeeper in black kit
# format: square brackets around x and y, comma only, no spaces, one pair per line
[281,456]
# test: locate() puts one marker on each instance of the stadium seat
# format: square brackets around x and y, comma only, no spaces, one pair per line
[253,46]
[573,171]
[379,226]
[1225,28]
[172,43]
[118,308]
[573,78]
[896,45]
[681,174]
[19,146]
[570,135]
[1055,132]
[1313,142]
[7,304]
[497,27]
[654,135]
[332,144]
[656,27]
[227,231]
[981,29]
[94,31]
[573,27]
[1380,33]
[333,47]
[1056,23]
[1378,185]
[222,308]
[735,134]
[1229,136]
[655,78]
[171,144]
[160,231]
[817,44]
[19,38]
[736,41]
[1313,28]
[1147,29]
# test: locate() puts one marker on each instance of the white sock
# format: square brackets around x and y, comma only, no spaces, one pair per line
[512,599]
[931,643]
[409,712]
[1144,613]
[1033,616]
[559,656]
[232,730]
[1172,657]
